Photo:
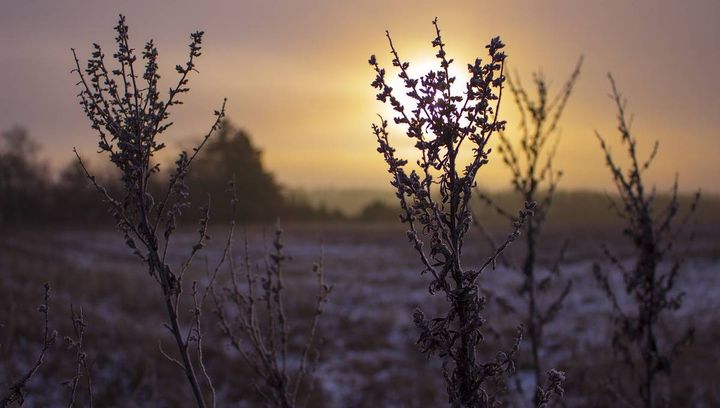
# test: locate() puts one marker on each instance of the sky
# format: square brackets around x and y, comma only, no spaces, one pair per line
[296,76]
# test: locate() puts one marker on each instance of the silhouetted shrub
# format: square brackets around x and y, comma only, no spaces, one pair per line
[129,124]
[126,110]
[530,160]
[253,318]
[435,202]
[649,283]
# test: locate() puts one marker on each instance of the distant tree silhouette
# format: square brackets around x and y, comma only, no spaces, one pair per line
[232,155]
[75,197]
[378,211]
[75,201]
[301,209]
[23,177]
[29,194]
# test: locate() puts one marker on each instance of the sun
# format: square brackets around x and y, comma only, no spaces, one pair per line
[420,67]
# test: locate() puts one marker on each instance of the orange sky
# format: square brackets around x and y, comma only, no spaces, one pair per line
[296,77]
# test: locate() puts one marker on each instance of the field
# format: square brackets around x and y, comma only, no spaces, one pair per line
[369,358]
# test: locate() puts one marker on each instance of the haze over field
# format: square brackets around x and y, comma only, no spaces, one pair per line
[296,75]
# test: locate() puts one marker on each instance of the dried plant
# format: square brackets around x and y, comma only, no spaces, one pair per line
[435,202]
[127,111]
[16,391]
[530,160]
[650,283]
[553,388]
[77,344]
[254,320]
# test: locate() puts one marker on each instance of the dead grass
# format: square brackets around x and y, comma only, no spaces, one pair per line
[369,356]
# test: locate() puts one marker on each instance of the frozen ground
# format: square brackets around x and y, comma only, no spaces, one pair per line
[369,358]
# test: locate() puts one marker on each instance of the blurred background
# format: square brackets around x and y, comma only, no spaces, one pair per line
[298,140]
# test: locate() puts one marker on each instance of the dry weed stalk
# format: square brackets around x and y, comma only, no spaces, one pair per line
[648,284]
[554,388]
[16,391]
[435,202]
[254,321]
[534,178]
[127,111]
[77,344]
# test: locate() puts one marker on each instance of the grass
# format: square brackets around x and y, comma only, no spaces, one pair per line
[369,356]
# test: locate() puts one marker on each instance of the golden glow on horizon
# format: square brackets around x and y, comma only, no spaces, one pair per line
[297,79]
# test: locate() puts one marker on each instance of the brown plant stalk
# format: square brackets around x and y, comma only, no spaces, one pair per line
[435,202]
[126,109]
[530,158]
[653,232]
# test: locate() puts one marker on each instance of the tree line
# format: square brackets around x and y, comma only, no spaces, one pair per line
[32,193]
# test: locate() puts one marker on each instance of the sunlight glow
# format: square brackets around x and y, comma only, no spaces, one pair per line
[420,66]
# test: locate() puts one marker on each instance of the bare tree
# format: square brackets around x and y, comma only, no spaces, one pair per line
[535,179]
[650,283]
[435,202]
[129,114]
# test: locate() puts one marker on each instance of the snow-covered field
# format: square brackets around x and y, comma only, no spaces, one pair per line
[369,358]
